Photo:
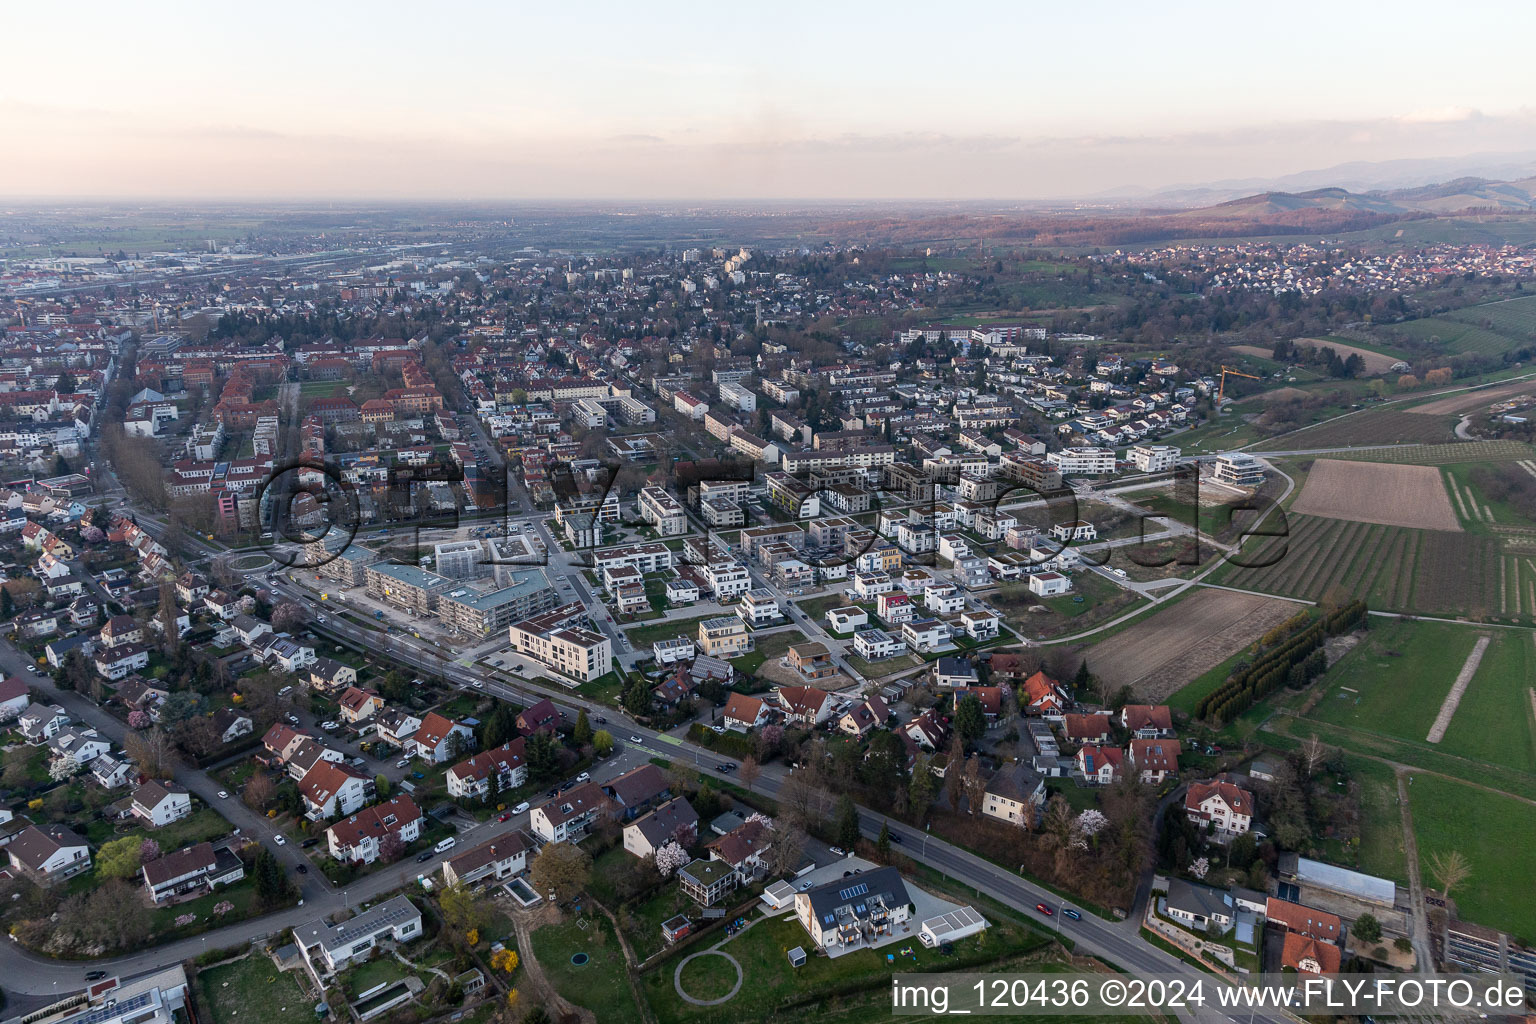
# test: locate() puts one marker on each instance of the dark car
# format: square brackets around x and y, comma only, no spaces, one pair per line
[896,837]
[95,975]
[1069,912]
[423,856]
[725,766]
[303,869]
[600,720]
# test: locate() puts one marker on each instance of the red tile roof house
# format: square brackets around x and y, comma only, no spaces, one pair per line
[1154,760]
[743,712]
[928,730]
[439,739]
[994,700]
[742,848]
[1042,695]
[330,789]
[1100,765]
[357,704]
[360,836]
[470,779]
[540,717]
[1225,808]
[1309,956]
[569,814]
[1148,721]
[1304,920]
[281,741]
[1087,728]
[805,705]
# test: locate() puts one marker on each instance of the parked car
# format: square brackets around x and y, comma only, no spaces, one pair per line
[503,817]
[404,762]
[445,845]
[95,975]
[600,720]
[303,869]
[223,795]
[837,851]
[293,719]
[584,777]
[280,839]
[329,725]
[423,856]
[725,766]
[520,808]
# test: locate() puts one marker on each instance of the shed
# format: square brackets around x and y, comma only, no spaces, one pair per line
[797,957]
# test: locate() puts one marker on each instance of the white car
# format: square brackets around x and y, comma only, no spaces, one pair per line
[223,795]
[329,725]
[837,851]
[280,839]
[477,684]
[520,808]
[403,763]
[636,739]
[584,777]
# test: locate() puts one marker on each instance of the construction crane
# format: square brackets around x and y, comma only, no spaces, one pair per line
[1222,390]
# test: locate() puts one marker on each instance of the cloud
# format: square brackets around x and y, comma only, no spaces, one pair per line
[1441,115]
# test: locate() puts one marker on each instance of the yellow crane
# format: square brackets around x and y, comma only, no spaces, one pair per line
[1222,390]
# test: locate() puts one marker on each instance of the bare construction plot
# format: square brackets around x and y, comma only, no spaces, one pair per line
[1464,401]
[1375,362]
[1159,655]
[1459,687]
[1378,492]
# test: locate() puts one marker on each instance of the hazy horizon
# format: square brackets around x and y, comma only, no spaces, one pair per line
[980,102]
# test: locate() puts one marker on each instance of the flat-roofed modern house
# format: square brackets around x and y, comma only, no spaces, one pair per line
[855,909]
[328,948]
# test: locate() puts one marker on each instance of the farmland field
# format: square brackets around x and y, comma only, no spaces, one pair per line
[1442,454]
[1513,318]
[1367,427]
[1166,650]
[1466,401]
[1375,362]
[1455,336]
[1391,495]
[1391,567]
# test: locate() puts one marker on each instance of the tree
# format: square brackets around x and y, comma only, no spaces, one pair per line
[7,604]
[749,771]
[504,960]
[392,848]
[62,767]
[1200,867]
[149,850]
[180,706]
[670,857]
[602,742]
[582,733]
[1313,754]
[847,823]
[1367,928]
[975,784]
[18,767]
[381,785]
[462,911]
[287,616]
[119,858]
[169,612]
[562,868]
[258,792]
[273,886]
[1090,823]
[152,751]
[1450,869]
[883,843]
[954,785]
[542,756]
[970,719]
[920,789]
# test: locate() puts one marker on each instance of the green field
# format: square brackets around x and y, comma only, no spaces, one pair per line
[253,991]
[1394,682]
[1494,833]
[1381,850]
[644,636]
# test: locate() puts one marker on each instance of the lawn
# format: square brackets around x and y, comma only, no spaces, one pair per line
[817,607]
[772,646]
[1381,824]
[601,984]
[201,825]
[643,636]
[379,971]
[771,985]
[883,667]
[1493,832]
[242,895]
[253,991]
[709,977]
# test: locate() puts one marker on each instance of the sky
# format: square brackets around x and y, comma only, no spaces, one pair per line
[596,100]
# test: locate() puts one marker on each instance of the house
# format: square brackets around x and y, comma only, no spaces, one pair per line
[1198,906]
[648,833]
[1049,584]
[811,660]
[876,644]
[864,717]
[569,814]
[724,637]
[743,712]
[706,881]
[110,773]
[250,629]
[1043,695]
[395,726]
[1148,721]
[952,672]
[48,853]
[1086,728]
[672,651]
[307,753]
[328,948]
[849,911]
[980,625]
[440,739]
[540,717]
[1015,794]
[58,650]
[996,703]
[159,803]
[1304,920]
[330,788]
[637,791]
[356,704]
[1076,531]
[743,848]
[847,619]
[895,608]
[502,857]
[804,705]
[289,655]
[1154,760]
[280,741]
[121,629]
[117,662]
[328,675]
[498,770]
[1100,765]
[81,744]
[195,869]
[14,697]
[1309,956]
[1224,808]
[41,722]
[928,730]
[361,837]
[230,724]
[926,636]
[222,605]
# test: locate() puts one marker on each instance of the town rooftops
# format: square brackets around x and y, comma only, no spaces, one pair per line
[180,863]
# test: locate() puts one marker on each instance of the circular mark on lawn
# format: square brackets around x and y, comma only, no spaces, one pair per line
[677,979]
